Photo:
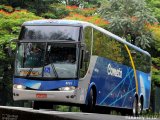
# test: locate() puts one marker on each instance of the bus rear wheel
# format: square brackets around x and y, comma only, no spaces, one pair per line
[140,107]
[90,106]
[135,107]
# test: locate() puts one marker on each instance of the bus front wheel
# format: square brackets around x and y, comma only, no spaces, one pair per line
[90,106]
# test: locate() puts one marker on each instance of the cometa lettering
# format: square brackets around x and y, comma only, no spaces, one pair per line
[116,72]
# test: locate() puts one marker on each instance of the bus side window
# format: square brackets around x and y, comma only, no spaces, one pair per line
[104,46]
[86,51]
[107,47]
[142,62]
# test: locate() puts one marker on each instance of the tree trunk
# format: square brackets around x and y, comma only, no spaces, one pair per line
[67,2]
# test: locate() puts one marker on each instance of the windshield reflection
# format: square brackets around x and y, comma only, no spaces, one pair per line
[34,55]
[41,33]
[47,60]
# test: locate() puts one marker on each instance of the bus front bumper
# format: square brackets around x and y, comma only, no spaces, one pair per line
[54,96]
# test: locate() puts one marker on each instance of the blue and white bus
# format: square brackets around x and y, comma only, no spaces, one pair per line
[75,62]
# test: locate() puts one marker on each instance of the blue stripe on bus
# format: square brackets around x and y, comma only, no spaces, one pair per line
[45,85]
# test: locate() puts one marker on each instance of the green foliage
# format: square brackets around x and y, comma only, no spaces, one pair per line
[155,76]
[156,35]
[155,54]
[36,6]
[67,108]
[91,4]
[155,6]
[6,8]
[156,61]
[56,11]
[49,16]
[82,11]
[156,70]
[63,108]
[128,19]
[10,24]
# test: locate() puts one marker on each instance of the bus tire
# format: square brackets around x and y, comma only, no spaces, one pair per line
[135,107]
[36,105]
[90,106]
[140,105]
[91,102]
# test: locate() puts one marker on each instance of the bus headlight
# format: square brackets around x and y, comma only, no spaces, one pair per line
[69,88]
[19,86]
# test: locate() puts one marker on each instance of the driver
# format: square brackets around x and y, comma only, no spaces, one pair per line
[34,59]
[70,59]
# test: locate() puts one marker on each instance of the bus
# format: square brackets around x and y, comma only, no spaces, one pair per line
[79,63]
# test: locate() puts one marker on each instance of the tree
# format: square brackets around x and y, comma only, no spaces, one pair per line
[10,23]
[128,19]
[155,6]
[155,52]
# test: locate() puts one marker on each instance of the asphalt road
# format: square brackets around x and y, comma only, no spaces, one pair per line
[19,113]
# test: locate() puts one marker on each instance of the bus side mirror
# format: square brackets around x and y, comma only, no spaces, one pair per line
[86,56]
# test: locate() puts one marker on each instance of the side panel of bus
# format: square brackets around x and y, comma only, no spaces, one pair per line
[117,70]
[115,84]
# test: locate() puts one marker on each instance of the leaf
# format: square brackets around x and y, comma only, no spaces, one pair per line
[129,18]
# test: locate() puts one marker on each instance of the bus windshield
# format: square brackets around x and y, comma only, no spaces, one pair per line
[49,60]
[41,33]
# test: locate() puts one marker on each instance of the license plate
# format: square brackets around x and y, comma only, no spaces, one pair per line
[41,95]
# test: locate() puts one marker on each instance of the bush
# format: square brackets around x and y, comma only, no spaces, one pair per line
[6,8]
[82,11]
[59,11]
[155,76]
[49,16]
[92,19]
[10,24]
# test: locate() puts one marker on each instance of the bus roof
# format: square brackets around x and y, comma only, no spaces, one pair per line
[57,22]
[83,24]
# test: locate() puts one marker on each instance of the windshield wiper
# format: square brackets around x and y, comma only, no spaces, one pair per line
[54,69]
[52,65]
